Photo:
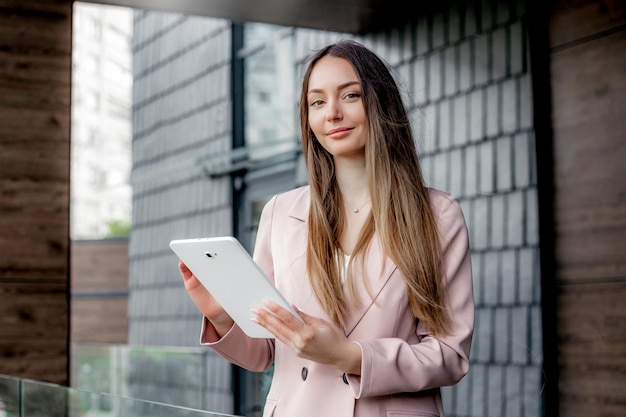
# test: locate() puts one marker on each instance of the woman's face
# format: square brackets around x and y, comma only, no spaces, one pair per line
[336,111]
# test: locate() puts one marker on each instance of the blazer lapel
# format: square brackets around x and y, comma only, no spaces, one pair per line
[294,245]
[299,213]
[373,275]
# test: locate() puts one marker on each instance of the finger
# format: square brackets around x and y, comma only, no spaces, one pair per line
[272,323]
[190,280]
[184,270]
[285,315]
[280,321]
[268,318]
[305,317]
[293,331]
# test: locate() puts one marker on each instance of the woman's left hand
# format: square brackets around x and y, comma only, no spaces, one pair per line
[313,338]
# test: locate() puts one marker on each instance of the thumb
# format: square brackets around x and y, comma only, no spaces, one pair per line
[305,317]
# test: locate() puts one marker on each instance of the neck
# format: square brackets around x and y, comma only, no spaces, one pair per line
[352,180]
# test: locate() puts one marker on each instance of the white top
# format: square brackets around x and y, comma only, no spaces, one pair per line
[344,270]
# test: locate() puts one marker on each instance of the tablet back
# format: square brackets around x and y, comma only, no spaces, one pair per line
[230,274]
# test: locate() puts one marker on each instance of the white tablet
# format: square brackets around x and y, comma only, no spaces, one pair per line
[230,274]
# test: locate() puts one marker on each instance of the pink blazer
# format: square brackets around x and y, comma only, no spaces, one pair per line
[403,365]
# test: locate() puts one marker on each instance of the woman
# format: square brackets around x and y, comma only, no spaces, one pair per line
[376,264]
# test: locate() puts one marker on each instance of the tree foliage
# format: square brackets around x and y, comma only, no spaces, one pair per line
[118,228]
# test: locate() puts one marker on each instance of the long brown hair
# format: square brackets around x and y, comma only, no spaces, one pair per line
[401,214]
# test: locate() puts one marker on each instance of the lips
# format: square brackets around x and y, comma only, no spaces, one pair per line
[339,132]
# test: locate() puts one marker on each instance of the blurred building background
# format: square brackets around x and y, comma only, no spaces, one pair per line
[102,82]
[518,109]
[100,191]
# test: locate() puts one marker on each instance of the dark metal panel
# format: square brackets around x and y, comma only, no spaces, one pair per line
[348,16]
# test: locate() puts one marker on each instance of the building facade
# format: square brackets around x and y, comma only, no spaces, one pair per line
[101,119]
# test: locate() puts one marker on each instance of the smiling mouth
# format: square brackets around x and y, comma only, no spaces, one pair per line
[338,130]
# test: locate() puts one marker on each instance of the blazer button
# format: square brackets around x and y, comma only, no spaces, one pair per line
[304,373]
[345,379]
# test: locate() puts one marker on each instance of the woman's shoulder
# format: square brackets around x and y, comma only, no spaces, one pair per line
[294,202]
[440,197]
[294,193]
[442,201]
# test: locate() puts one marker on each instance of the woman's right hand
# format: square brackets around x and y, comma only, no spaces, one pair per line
[205,302]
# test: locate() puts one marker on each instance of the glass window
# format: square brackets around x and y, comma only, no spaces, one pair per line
[271,129]
[269,84]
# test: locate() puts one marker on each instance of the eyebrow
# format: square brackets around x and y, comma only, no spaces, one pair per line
[341,87]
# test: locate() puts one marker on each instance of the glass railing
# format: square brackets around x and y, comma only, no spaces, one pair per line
[27,398]
[187,377]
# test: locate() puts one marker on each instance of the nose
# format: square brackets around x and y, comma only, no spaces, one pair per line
[333,111]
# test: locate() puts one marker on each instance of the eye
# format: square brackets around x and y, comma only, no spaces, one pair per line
[352,95]
[316,103]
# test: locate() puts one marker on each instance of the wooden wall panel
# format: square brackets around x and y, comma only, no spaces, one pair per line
[572,21]
[33,330]
[588,65]
[99,291]
[35,83]
[592,334]
[100,265]
[100,319]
